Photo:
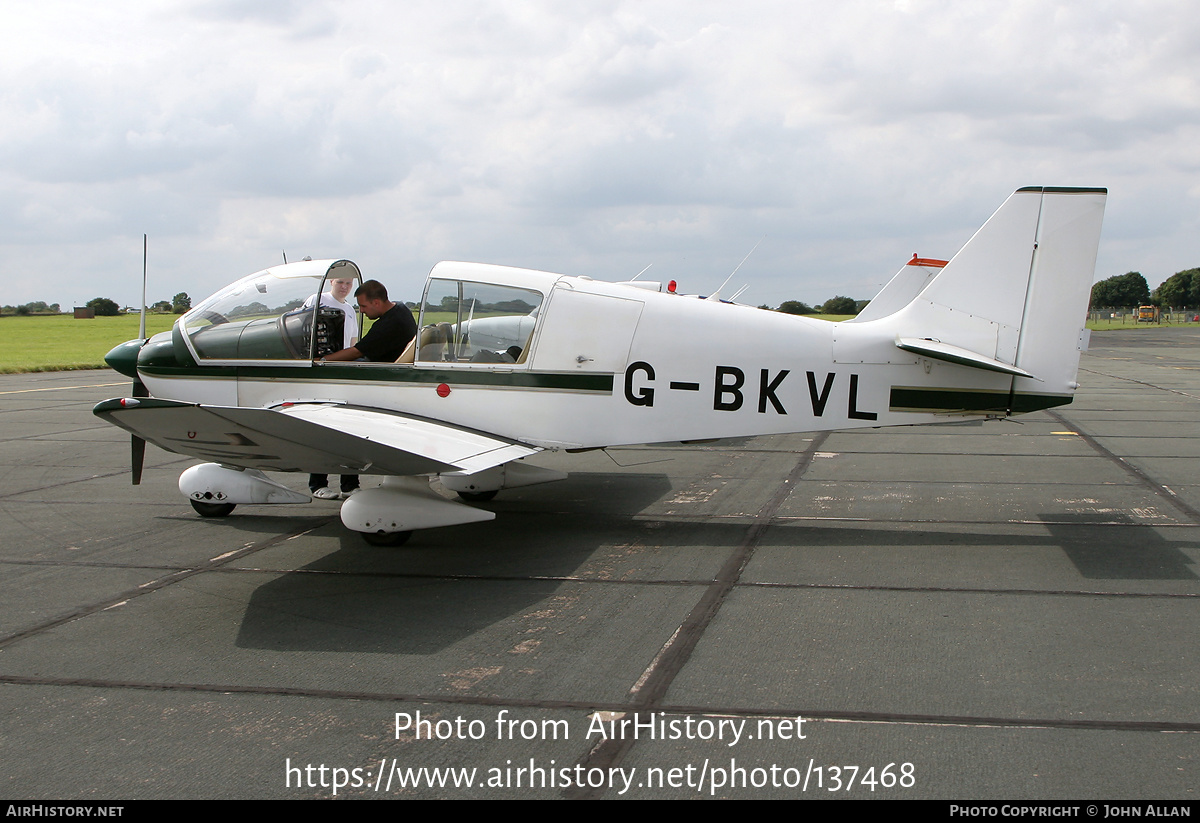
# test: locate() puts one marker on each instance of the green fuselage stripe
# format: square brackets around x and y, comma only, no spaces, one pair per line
[368,373]
[905,399]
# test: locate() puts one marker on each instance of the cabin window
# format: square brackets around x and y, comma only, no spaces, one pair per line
[476,323]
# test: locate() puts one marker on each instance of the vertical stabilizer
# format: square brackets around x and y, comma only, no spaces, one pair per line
[1014,299]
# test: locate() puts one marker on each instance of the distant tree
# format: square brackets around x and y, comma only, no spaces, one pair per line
[1121,290]
[840,305]
[511,306]
[796,307]
[1180,289]
[104,307]
[181,303]
[34,307]
[161,306]
[255,308]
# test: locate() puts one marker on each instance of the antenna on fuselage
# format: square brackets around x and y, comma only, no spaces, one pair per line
[717,294]
[639,274]
[284,256]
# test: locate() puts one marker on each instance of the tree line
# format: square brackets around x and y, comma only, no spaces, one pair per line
[102,306]
[1179,291]
[834,305]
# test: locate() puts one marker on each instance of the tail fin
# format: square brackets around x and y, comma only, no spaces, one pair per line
[1014,299]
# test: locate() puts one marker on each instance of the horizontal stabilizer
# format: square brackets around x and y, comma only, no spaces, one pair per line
[311,437]
[956,354]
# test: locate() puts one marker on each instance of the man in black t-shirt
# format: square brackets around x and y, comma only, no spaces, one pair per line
[394,328]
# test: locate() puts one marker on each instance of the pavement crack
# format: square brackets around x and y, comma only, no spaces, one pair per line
[170,578]
[649,689]
[1140,475]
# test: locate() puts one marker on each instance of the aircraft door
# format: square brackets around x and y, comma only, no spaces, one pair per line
[588,332]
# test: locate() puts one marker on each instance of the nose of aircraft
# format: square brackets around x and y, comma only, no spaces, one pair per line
[123,358]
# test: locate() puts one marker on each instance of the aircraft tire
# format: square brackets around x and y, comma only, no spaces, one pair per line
[478,497]
[386,538]
[212,509]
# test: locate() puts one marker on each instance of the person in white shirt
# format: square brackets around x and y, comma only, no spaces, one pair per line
[335,298]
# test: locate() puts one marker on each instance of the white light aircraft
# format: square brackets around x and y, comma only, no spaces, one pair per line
[508,362]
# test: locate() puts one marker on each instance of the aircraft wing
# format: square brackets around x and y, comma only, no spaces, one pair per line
[320,438]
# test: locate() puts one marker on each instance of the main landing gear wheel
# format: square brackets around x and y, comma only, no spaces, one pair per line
[386,538]
[478,497]
[212,509]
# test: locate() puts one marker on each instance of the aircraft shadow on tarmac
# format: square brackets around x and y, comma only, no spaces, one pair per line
[446,584]
[1130,551]
[1119,548]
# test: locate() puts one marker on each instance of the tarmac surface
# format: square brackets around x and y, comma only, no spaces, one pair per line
[1004,611]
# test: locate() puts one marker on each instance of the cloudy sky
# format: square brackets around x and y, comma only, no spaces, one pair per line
[585,137]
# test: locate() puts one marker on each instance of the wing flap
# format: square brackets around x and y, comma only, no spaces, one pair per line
[320,438]
[448,445]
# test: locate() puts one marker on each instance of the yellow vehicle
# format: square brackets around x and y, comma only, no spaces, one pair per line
[1147,314]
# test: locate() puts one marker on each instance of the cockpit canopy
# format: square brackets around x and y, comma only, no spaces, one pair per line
[275,314]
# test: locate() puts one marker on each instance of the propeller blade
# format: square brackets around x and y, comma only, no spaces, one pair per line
[138,455]
[137,445]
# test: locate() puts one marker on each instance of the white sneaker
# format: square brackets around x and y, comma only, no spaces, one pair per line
[326,494]
[344,495]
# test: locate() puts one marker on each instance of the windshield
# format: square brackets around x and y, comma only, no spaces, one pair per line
[273,314]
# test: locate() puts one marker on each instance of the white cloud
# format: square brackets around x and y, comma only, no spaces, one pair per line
[590,138]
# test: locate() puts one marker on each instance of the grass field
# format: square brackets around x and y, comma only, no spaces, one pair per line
[60,342]
[1110,324]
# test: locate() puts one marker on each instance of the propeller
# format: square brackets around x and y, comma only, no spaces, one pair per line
[137,446]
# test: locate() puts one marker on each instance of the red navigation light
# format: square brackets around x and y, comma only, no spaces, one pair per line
[671,286]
